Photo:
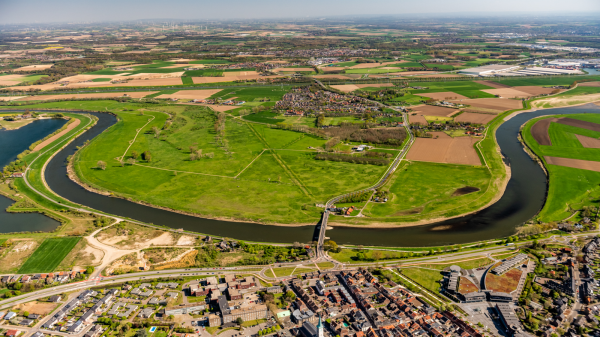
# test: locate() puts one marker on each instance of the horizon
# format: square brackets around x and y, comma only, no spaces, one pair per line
[63,11]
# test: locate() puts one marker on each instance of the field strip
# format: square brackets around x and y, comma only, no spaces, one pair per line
[430,295]
[136,135]
[242,171]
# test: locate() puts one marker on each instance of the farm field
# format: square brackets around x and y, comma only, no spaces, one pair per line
[572,167]
[577,96]
[445,149]
[48,255]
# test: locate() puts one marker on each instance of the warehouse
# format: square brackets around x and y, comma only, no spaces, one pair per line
[489,70]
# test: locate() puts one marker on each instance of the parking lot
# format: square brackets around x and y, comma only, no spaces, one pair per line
[484,313]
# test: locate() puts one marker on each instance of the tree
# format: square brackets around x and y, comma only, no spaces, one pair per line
[134,155]
[147,156]
[101,165]
[25,313]
[141,333]
[330,245]
[239,321]
[377,255]
[89,270]
[290,295]
[130,161]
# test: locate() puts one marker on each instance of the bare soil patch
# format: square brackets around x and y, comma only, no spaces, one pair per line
[57,136]
[35,67]
[579,124]
[535,91]
[590,84]
[458,150]
[35,307]
[191,94]
[505,283]
[475,118]
[508,93]
[345,87]
[563,101]
[130,236]
[589,142]
[539,131]
[186,240]
[493,84]
[10,98]
[432,110]
[574,163]
[16,256]
[447,95]
[417,119]
[502,104]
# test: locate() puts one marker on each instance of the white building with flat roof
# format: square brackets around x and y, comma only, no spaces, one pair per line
[488,70]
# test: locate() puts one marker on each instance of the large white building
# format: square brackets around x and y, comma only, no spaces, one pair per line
[489,70]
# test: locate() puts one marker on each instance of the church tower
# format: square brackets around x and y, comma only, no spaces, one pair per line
[320,330]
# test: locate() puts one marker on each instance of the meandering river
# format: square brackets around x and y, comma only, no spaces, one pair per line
[522,200]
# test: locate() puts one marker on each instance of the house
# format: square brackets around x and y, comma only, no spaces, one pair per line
[95,331]
[10,315]
[17,175]
[12,333]
[34,316]
[38,334]
[146,313]
[26,322]
[55,298]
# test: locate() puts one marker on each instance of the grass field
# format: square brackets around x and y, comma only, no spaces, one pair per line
[373,71]
[569,188]
[427,278]
[48,255]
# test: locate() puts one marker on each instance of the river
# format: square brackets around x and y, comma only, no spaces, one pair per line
[13,142]
[522,200]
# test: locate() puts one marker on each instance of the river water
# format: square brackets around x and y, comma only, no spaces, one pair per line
[12,143]
[523,198]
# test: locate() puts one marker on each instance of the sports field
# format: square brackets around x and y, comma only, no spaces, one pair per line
[572,185]
[48,255]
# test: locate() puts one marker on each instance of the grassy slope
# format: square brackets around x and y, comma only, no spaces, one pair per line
[48,255]
[567,186]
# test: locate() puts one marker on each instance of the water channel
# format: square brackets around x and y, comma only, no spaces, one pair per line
[523,198]
[13,142]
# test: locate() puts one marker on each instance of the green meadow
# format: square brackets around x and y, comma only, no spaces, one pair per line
[570,189]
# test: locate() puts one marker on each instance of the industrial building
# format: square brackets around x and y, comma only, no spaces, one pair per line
[489,70]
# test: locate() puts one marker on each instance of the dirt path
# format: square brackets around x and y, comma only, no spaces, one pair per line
[110,253]
[58,135]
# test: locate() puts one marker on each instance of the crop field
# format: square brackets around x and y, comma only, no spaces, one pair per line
[48,255]
[571,186]
[445,149]
[464,88]
[374,70]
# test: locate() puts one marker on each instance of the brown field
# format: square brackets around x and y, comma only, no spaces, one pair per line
[10,79]
[294,69]
[35,307]
[10,98]
[588,142]
[431,110]
[406,73]
[353,87]
[191,94]
[574,163]
[483,111]
[345,87]
[417,119]
[58,135]
[474,118]
[447,95]
[93,95]
[494,103]
[151,82]
[507,93]
[590,84]
[239,73]
[445,149]
[493,84]
[179,65]
[505,283]
[466,286]
[35,67]
[342,77]
[535,91]
[539,131]
[229,79]
[579,124]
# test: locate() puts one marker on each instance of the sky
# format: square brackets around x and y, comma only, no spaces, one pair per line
[32,11]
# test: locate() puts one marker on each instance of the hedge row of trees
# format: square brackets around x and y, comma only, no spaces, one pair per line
[353,132]
[352,159]
[356,197]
